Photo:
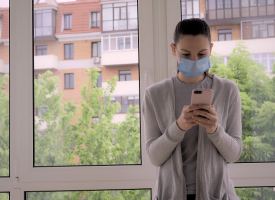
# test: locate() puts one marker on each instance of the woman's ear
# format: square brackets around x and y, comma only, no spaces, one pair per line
[173,49]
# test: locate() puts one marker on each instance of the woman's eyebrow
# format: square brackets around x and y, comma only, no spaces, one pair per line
[189,51]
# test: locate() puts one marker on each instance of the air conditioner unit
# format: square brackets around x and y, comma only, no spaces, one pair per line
[96,60]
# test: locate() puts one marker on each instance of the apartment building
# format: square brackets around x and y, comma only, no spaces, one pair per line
[71,36]
[252,21]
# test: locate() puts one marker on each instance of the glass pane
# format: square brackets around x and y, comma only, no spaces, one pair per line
[228,36]
[144,194]
[121,77]
[196,7]
[132,12]
[183,10]
[124,71]
[124,104]
[271,30]
[107,14]
[107,26]
[135,42]
[128,77]
[71,80]
[4,93]
[120,43]
[261,2]
[235,3]
[38,31]
[105,44]
[116,13]
[227,3]
[212,5]
[123,13]
[127,43]
[47,30]
[55,138]
[244,3]
[220,4]
[221,37]
[38,20]
[72,51]
[94,49]
[263,30]
[113,43]
[99,49]
[253,2]
[270,2]
[47,19]
[255,31]
[67,80]
[120,25]
[98,19]
[132,24]
[189,7]
[4,196]
[256,193]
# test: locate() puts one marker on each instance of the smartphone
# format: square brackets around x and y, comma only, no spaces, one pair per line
[201,96]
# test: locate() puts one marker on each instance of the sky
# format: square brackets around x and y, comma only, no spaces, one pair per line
[5,3]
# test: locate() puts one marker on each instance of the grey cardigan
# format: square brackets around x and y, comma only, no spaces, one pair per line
[163,142]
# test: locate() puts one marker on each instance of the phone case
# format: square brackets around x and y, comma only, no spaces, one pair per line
[204,98]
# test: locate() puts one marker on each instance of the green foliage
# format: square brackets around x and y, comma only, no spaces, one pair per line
[4,128]
[4,196]
[92,195]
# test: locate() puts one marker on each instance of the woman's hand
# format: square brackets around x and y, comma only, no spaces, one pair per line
[211,120]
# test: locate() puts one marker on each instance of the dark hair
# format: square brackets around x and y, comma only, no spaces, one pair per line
[193,26]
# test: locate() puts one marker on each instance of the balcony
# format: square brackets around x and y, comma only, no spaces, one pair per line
[124,57]
[46,62]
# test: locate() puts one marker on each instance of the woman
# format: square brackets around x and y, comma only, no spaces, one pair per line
[190,150]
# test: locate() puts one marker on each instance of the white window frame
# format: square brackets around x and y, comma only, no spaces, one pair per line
[155,34]
[110,36]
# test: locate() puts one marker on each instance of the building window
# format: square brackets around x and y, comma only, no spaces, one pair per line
[44,23]
[96,49]
[95,19]
[120,42]
[40,113]
[69,51]
[69,81]
[42,1]
[95,119]
[124,75]
[119,16]
[68,21]
[222,9]
[266,59]
[99,80]
[41,50]
[258,29]
[225,35]
[190,9]
[126,101]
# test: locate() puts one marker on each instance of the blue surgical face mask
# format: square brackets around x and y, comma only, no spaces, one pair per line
[191,68]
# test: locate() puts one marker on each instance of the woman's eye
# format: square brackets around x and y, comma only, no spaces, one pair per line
[189,54]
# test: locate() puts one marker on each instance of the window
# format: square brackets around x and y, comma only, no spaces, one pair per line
[95,19]
[190,9]
[96,49]
[44,24]
[265,58]
[117,42]
[124,75]
[41,50]
[69,81]
[41,111]
[99,80]
[258,29]
[119,16]
[125,101]
[41,1]
[69,51]
[225,35]
[68,21]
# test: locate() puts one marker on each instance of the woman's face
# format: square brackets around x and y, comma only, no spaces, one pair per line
[192,47]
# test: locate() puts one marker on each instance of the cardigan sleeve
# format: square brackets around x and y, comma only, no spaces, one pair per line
[159,146]
[229,142]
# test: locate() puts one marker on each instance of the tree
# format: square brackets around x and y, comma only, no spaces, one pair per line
[4,128]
